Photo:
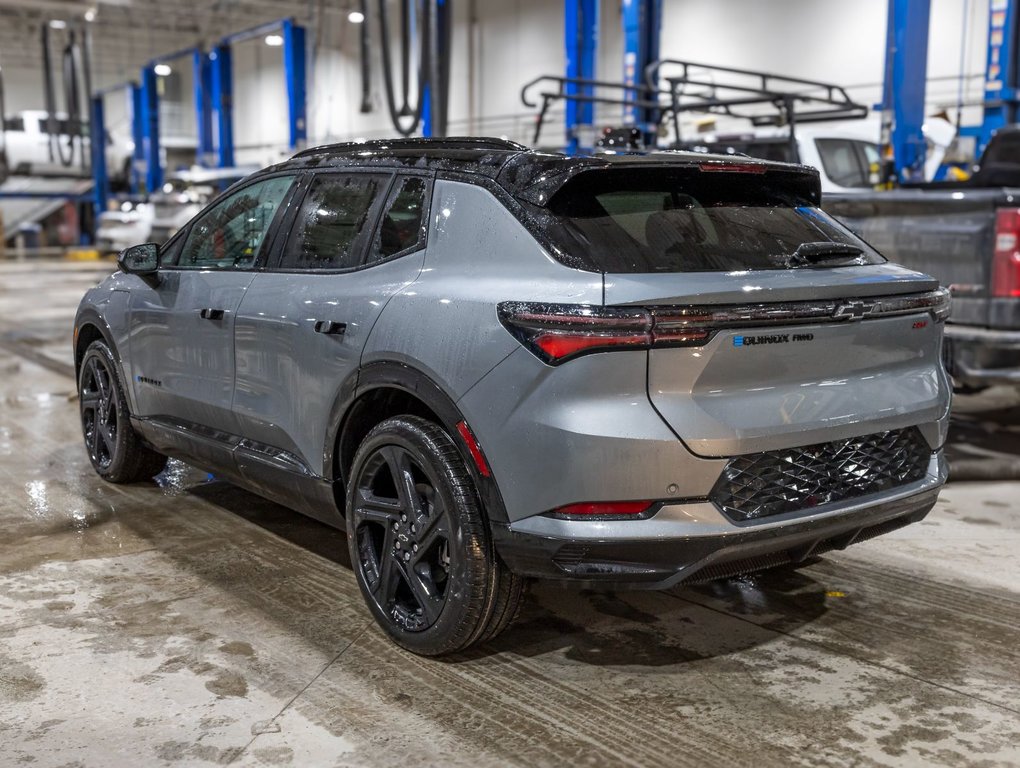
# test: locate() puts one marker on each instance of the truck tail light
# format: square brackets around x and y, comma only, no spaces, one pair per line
[1006,260]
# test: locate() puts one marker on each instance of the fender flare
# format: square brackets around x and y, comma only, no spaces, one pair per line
[413,381]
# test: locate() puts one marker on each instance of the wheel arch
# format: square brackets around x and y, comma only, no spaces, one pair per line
[386,389]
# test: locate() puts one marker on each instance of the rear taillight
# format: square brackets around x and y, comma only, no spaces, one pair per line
[559,332]
[1006,261]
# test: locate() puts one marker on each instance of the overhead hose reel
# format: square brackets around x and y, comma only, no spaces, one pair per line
[433,73]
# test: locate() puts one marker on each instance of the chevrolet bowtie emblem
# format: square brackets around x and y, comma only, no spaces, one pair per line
[852,310]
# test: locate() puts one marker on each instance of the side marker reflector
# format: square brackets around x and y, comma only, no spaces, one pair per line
[476,451]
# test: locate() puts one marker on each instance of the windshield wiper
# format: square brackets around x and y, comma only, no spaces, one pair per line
[814,253]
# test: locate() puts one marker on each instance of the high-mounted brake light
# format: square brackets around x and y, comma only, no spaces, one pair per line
[559,332]
[1006,259]
[591,509]
[732,167]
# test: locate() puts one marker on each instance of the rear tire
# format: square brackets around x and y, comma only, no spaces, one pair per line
[419,542]
[114,448]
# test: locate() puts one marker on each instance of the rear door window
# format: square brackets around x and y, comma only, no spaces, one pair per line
[402,226]
[334,221]
[685,220]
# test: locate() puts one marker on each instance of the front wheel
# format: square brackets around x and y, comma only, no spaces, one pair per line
[419,544]
[115,450]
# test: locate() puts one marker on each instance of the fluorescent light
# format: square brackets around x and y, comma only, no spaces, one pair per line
[58,24]
[163,70]
[355,17]
[274,40]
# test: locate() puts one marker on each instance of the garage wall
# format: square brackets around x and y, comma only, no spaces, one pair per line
[516,40]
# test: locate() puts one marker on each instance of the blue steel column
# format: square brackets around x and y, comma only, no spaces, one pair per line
[150,126]
[642,25]
[222,103]
[100,178]
[906,66]
[294,71]
[137,137]
[581,38]
[203,108]
[1001,75]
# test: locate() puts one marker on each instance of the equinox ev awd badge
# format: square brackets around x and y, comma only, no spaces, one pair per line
[773,338]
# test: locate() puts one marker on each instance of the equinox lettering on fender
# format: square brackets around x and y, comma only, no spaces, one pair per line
[775,338]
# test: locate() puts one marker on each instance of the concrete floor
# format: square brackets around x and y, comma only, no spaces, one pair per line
[195,624]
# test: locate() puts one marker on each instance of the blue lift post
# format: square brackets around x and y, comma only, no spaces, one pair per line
[222,104]
[906,66]
[150,128]
[202,80]
[294,58]
[581,38]
[1001,75]
[137,137]
[100,175]
[642,26]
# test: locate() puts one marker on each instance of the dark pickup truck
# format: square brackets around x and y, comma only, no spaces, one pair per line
[966,234]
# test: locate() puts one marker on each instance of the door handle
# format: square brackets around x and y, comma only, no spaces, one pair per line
[211,314]
[330,327]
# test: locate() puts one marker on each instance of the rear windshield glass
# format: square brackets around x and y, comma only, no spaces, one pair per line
[687,220]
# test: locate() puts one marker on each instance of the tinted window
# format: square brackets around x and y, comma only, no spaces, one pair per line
[402,225]
[332,224]
[230,234]
[845,162]
[686,220]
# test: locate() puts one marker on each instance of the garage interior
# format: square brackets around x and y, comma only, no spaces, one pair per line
[189,622]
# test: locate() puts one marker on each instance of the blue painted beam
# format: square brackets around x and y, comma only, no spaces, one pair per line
[581,39]
[150,126]
[294,72]
[906,66]
[222,104]
[202,79]
[100,176]
[1001,69]
[642,26]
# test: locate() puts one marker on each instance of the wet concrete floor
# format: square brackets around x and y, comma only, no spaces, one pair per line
[195,624]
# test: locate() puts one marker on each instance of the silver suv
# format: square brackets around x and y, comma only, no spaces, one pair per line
[488,363]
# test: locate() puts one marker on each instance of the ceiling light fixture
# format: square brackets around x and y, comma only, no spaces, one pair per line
[355,17]
[90,14]
[274,40]
[58,24]
[163,70]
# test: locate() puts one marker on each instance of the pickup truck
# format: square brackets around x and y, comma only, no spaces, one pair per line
[967,235]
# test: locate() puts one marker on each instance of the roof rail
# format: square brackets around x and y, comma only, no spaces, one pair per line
[454,142]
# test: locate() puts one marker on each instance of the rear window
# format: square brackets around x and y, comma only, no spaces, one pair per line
[687,220]
[848,162]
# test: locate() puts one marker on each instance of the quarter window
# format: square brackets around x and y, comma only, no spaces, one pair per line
[230,235]
[402,226]
[334,222]
[845,162]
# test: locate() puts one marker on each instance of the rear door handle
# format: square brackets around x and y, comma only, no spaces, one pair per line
[330,327]
[211,314]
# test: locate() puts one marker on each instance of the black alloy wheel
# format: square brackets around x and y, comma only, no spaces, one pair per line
[420,546]
[99,415]
[116,451]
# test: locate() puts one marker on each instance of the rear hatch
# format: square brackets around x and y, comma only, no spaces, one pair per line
[771,325]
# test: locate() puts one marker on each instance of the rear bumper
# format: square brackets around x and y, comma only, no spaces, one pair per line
[977,356]
[643,554]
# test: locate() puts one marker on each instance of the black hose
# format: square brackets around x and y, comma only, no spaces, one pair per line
[71,102]
[391,102]
[366,62]
[48,94]
[405,54]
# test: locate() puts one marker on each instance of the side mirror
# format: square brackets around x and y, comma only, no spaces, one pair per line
[139,259]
